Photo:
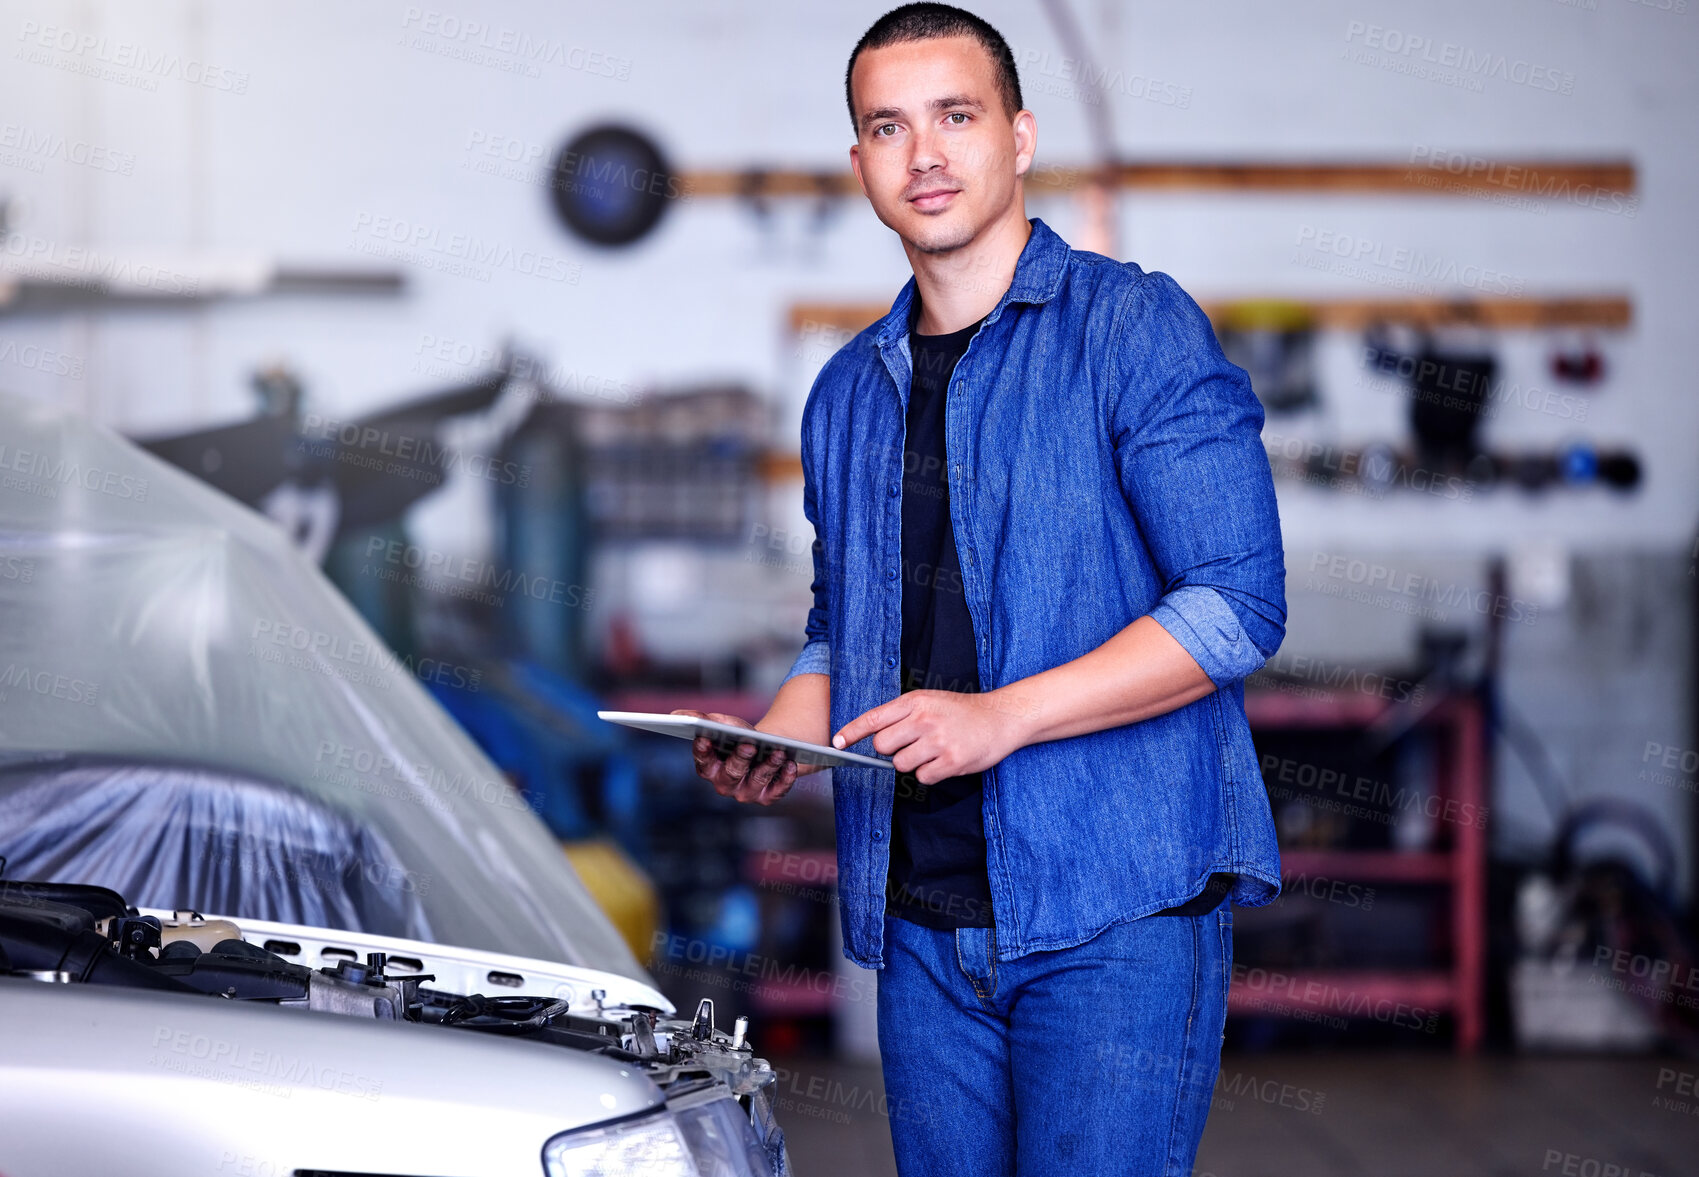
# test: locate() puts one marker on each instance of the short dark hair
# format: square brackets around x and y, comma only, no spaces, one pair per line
[922,22]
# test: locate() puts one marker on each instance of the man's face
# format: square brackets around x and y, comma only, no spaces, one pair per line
[936,154]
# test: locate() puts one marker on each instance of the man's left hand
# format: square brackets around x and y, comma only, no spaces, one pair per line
[938,734]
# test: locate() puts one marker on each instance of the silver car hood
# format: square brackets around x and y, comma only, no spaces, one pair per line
[174,1085]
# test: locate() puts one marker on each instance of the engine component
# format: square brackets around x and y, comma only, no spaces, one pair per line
[718,1116]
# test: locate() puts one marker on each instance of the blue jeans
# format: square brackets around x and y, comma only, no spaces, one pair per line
[1100,1058]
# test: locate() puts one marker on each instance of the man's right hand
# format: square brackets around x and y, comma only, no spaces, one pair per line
[801,710]
[740,773]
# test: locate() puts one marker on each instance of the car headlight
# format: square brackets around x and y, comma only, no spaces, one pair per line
[722,1140]
[650,1146]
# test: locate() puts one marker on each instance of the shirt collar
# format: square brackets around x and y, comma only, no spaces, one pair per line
[1038,276]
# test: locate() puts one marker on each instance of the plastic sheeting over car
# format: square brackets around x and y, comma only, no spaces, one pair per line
[191,713]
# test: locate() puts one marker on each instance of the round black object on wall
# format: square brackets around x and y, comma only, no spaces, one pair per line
[611,185]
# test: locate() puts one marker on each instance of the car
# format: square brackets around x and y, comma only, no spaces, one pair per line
[264,908]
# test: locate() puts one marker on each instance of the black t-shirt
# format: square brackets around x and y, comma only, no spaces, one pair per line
[937,874]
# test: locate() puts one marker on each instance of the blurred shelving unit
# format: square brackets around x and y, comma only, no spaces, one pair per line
[795,994]
[1455,988]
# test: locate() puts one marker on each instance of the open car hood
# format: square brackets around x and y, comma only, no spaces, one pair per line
[173,672]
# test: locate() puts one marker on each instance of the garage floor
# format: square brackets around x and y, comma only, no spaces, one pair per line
[1376,1116]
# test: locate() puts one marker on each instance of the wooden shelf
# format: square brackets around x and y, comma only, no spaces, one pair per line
[778,466]
[195,284]
[1530,179]
[1605,312]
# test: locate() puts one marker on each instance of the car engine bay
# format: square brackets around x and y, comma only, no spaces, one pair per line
[76,934]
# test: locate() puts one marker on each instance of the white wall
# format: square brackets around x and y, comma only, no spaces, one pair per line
[344,115]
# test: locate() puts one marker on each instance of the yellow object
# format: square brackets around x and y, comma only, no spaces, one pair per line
[1265,314]
[620,889]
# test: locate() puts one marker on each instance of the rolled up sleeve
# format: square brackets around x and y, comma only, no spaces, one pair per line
[816,658]
[1187,433]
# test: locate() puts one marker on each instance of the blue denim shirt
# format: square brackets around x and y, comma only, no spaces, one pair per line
[1106,463]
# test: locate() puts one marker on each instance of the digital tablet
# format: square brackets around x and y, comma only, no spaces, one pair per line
[726,736]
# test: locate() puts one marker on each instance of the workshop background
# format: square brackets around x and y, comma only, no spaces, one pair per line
[366,269]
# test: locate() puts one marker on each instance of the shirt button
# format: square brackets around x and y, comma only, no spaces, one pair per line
[878,835]
[891,662]
[895,490]
[890,574]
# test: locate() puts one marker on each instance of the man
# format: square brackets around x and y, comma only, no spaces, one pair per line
[1047,554]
